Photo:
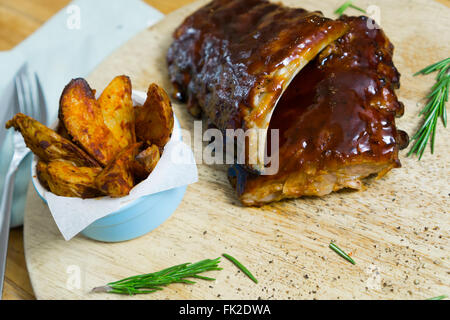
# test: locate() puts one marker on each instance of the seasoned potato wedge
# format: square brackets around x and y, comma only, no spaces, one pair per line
[47,144]
[83,119]
[42,175]
[149,158]
[62,131]
[116,180]
[154,120]
[65,179]
[94,150]
[117,109]
[139,172]
[137,110]
[145,162]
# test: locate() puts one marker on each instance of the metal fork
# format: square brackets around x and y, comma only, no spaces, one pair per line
[30,101]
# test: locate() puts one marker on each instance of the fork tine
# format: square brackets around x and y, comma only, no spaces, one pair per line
[20,95]
[19,105]
[30,96]
[24,95]
[41,106]
[28,91]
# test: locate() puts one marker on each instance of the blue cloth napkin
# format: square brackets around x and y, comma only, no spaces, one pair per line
[70,45]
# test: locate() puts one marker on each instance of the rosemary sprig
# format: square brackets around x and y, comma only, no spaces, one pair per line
[341,253]
[151,282]
[240,266]
[438,297]
[435,107]
[347,4]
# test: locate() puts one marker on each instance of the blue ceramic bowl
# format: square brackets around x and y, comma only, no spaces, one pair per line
[134,219]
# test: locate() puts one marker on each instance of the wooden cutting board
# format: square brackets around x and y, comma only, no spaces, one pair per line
[397,229]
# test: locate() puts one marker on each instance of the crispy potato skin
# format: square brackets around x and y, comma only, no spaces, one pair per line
[62,131]
[154,120]
[145,162]
[83,119]
[139,172]
[116,180]
[149,158]
[117,109]
[67,180]
[136,110]
[47,144]
[93,152]
[42,174]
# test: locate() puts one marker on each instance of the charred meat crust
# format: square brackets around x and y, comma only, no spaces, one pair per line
[224,56]
[337,115]
[336,121]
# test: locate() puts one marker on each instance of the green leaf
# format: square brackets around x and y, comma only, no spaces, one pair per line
[434,109]
[152,282]
[241,266]
[438,297]
[347,4]
[340,252]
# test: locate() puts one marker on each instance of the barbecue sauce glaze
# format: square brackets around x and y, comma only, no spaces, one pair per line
[340,108]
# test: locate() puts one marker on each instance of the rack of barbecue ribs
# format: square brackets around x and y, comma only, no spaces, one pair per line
[326,85]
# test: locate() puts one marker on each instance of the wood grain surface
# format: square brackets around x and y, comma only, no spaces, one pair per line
[19,19]
[397,229]
[414,244]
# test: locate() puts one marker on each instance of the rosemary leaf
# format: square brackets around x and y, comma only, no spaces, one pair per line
[151,282]
[434,109]
[347,4]
[342,8]
[240,266]
[357,8]
[341,253]
[438,297]
[433,67]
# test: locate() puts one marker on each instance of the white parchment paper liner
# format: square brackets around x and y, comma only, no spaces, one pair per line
[176,168]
